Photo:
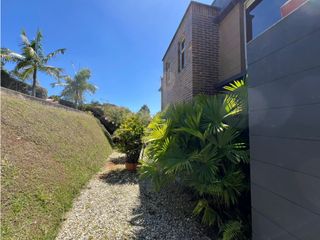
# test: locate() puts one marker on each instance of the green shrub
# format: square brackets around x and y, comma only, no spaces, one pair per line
[96,110]
[110,115]
[115,114]
[199,143]
[128,138]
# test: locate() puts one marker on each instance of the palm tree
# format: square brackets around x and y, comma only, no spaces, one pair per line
[74,88]
[32,59]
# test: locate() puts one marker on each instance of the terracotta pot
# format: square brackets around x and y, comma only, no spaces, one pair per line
[131,166]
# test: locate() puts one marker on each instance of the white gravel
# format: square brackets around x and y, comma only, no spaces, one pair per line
[116,205]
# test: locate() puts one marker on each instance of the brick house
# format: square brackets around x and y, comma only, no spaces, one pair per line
[208,49]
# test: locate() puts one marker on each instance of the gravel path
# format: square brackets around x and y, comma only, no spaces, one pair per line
[116,205]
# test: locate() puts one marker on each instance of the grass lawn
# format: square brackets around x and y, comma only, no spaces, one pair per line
[47,155]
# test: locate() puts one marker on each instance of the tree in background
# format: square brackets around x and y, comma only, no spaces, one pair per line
[116,114]
[144,115]
[75,88]
[32,59]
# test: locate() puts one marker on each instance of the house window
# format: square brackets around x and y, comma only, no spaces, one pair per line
[181,54]
[167,72]
[260,15]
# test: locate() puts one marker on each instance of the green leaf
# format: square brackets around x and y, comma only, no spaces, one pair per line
[232,230]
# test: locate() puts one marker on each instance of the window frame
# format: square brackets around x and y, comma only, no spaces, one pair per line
[181,54]
[167,71]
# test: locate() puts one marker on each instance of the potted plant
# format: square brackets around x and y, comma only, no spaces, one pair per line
[128,138]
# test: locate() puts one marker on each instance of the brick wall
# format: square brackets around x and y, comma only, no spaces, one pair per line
[178,86]
[201,48]
[205,47]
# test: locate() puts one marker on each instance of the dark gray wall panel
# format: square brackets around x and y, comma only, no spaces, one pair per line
[285,61]
[268,230]
[284,122]
[294,122]
[292,29]
[287,91]
[296,155]
[299,188]
[292,218]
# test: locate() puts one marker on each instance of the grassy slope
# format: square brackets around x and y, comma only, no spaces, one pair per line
[47,155]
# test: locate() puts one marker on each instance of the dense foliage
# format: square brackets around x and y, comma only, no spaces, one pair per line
[128,138]
[110,115]
[115,114]
[202,145]
[31,60]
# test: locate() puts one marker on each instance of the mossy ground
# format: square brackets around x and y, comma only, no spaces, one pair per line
[47,155]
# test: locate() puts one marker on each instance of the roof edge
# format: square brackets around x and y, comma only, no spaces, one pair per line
[184,16]
[228,9]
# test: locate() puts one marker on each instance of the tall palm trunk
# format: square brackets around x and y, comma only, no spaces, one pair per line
[34,82]
[76,99]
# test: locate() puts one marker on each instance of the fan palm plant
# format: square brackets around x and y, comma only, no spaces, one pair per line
[32,59]
[200,144]
[75,88]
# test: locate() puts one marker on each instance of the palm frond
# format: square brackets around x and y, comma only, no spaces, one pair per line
[54,53]
[37,43]
[238,94]
[228,188]
[24,38]
[235,85]
[232,230]
[22,64]
[91,88]
[7,55]
[176,161]
[50,70]
[209,215]
[25,73]
[157,134]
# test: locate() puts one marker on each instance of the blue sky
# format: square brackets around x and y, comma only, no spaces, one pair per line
[122,42]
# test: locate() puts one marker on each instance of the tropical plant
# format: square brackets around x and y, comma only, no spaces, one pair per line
[75,88]
[31,60]
[128,138]
[200,144]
